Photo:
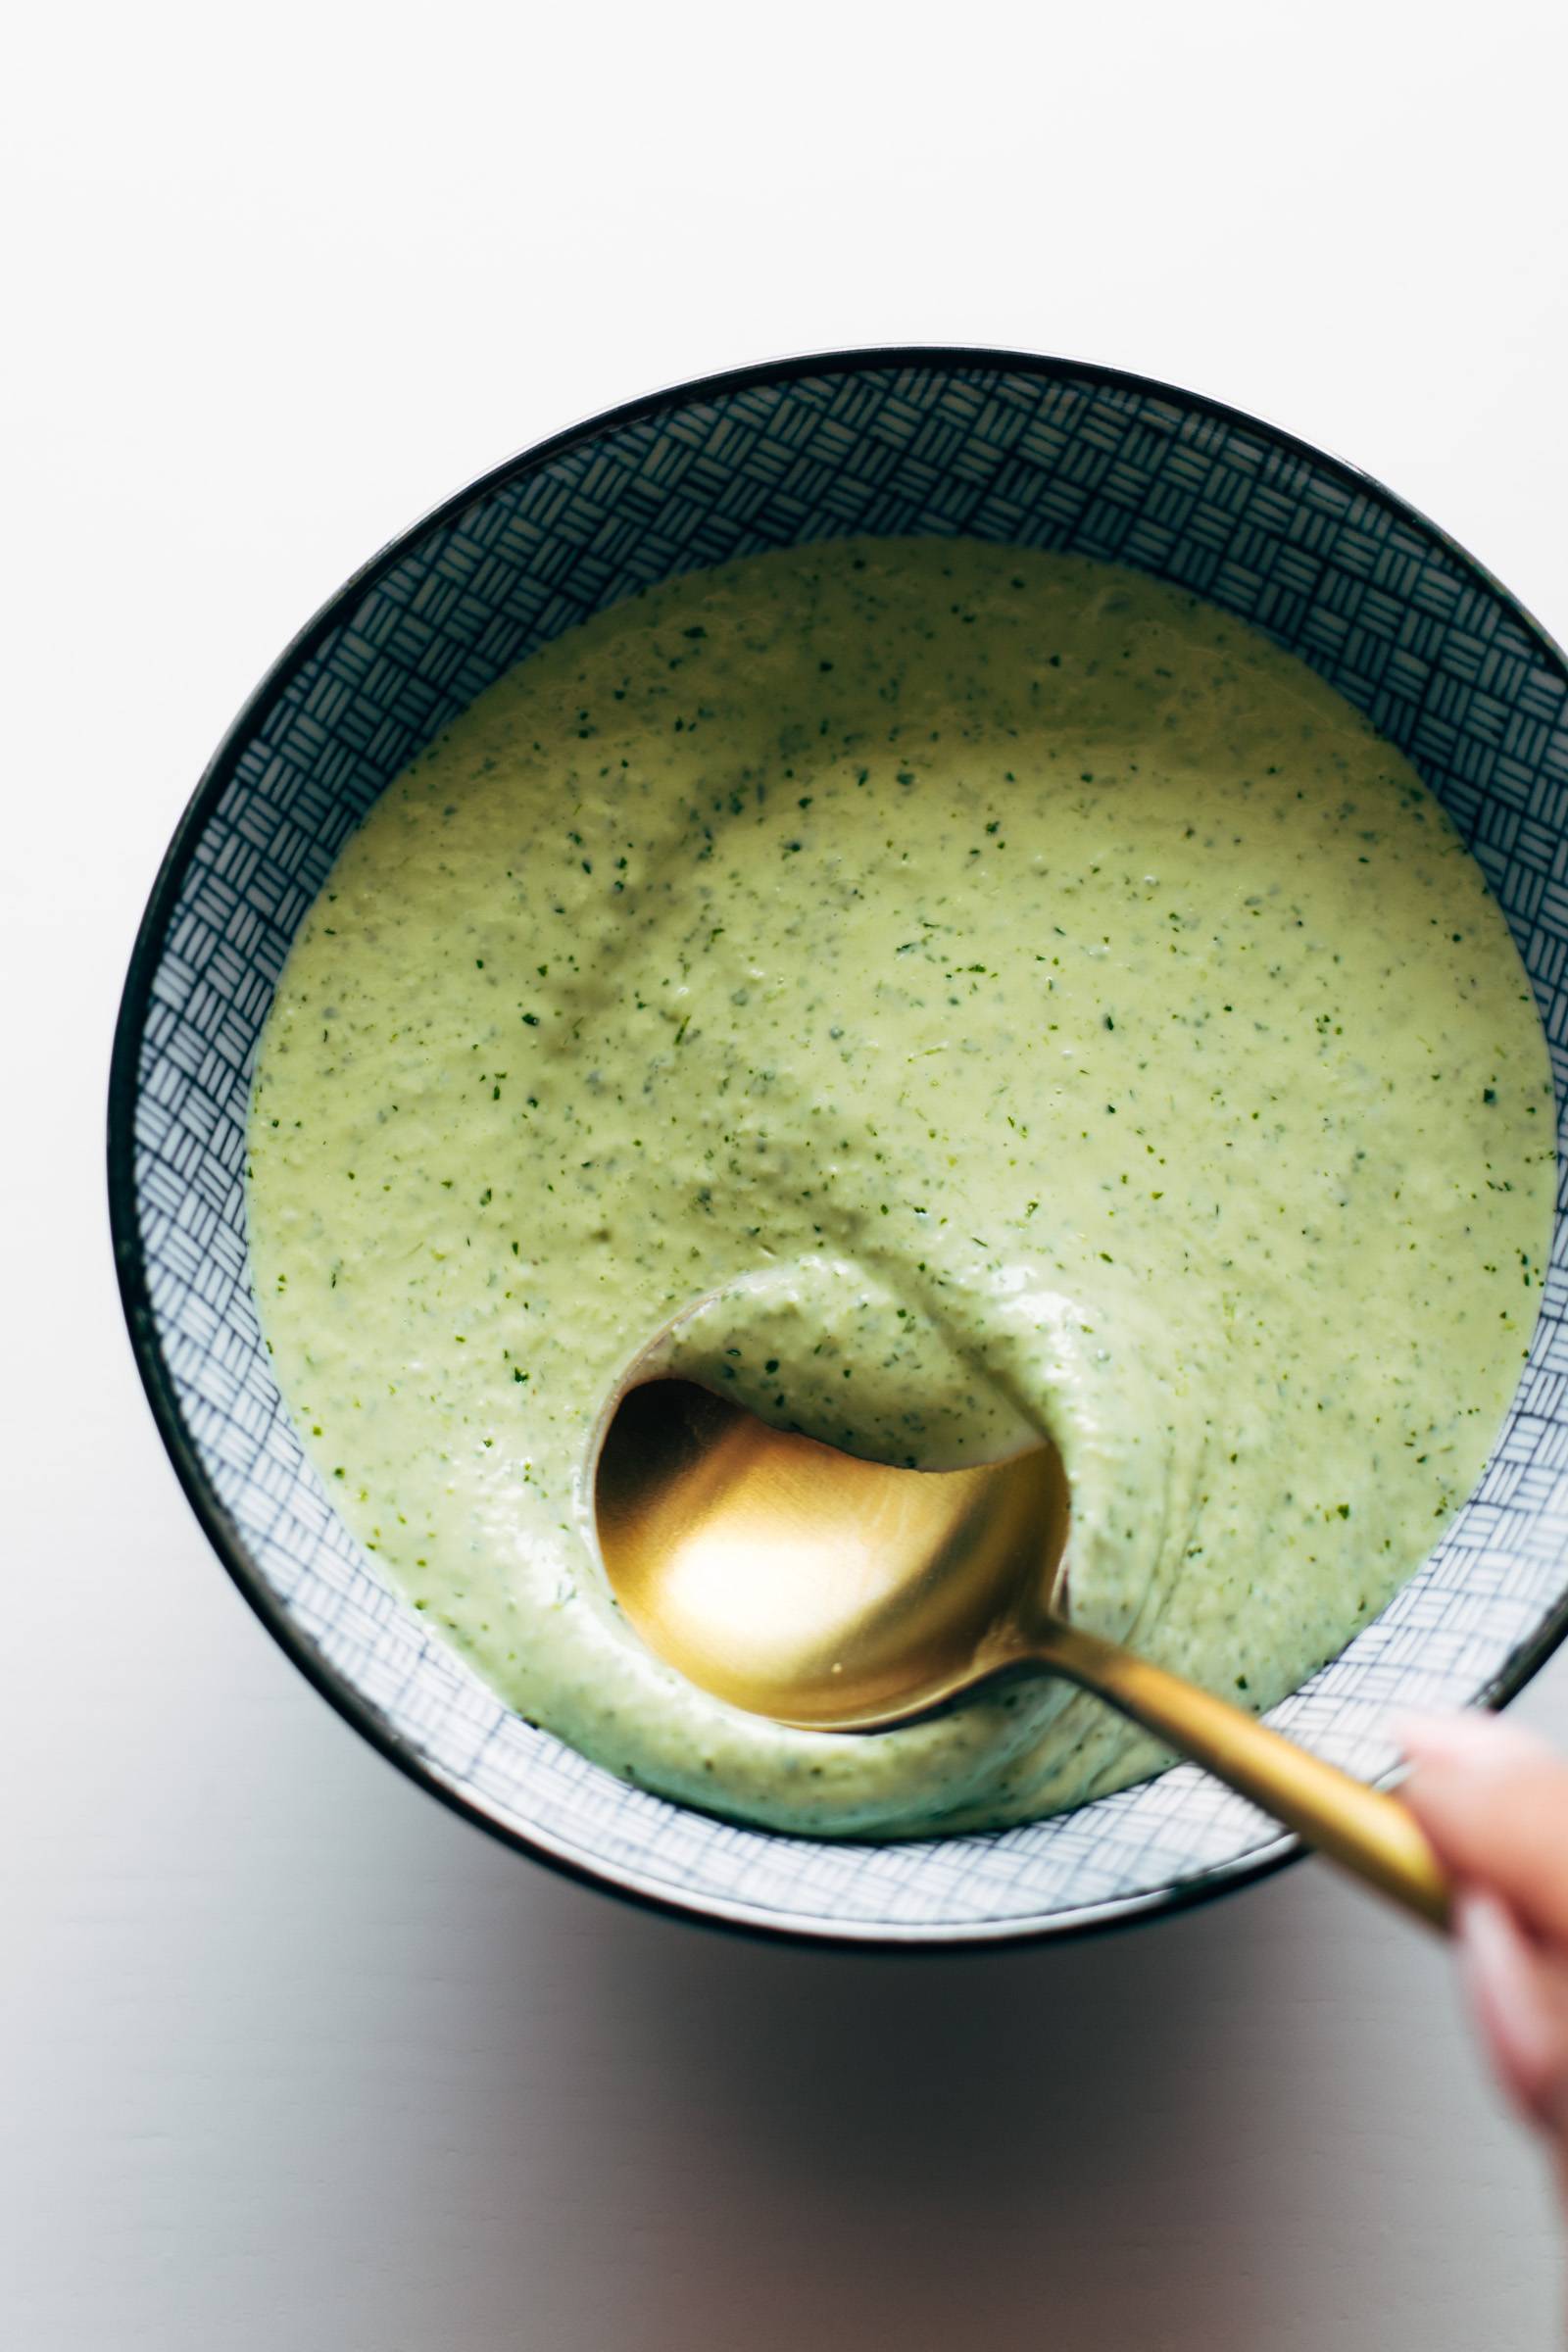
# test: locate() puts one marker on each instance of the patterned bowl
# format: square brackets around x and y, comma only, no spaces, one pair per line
[1001,446]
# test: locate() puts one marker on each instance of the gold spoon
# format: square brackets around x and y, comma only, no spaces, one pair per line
[839,1594]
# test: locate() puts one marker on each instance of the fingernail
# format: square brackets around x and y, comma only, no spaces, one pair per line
[1469,1740]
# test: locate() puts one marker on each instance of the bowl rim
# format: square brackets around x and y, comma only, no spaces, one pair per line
[221,1529]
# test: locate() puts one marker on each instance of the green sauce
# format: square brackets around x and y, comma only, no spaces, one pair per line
[1016,997]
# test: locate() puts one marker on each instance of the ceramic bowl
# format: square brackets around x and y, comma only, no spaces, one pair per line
[1002,446]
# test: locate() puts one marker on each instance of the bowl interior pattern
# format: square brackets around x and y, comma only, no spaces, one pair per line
[916,443]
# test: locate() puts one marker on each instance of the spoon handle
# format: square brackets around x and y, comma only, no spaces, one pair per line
[1358,1827]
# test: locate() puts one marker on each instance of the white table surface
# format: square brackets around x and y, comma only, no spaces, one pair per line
[290,2060]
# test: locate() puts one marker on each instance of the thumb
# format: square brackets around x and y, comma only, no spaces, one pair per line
[1493,1800]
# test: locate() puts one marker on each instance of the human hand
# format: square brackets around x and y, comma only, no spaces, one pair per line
[1493,1800]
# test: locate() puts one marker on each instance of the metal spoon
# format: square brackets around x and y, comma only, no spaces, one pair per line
[839,1594]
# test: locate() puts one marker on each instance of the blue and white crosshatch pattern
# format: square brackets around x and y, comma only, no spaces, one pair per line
[1400,623]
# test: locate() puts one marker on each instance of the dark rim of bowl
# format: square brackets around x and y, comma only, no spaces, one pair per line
[130,1264]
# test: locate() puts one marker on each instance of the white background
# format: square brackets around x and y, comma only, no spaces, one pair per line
[289,2059]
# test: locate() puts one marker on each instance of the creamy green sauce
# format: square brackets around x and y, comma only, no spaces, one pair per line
[1017,997]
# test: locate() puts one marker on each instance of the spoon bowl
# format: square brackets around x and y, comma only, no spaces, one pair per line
[808,1585]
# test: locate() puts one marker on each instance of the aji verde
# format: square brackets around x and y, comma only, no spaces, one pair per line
[1015,997]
